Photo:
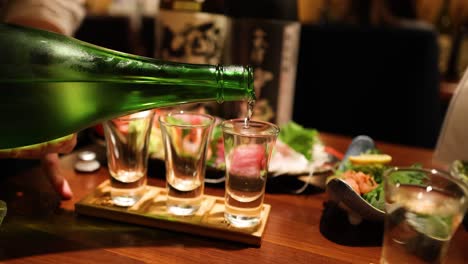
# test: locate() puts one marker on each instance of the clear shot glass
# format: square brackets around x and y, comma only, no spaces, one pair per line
[186,136]
[247,151]
[127,140]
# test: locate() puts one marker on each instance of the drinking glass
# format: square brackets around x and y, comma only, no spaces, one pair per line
[424,208]
[247,151]
[186,136]
[127,141]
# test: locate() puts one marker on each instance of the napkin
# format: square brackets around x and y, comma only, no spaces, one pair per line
[452,143]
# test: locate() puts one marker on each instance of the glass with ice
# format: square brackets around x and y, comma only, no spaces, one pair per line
[247,150]
[423,210]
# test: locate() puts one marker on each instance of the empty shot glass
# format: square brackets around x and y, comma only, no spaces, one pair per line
[247,151]
[186,136]
[127,142]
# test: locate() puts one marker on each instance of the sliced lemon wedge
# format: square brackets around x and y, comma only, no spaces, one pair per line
[370,159]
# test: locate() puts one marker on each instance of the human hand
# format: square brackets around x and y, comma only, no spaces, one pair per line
[50,163]
[62,146]
[66,18]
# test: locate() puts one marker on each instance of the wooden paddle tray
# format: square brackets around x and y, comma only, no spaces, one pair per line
[150,211]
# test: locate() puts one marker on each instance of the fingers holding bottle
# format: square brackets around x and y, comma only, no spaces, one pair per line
[61,145]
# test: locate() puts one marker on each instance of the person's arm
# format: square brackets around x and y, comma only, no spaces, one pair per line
[60,16]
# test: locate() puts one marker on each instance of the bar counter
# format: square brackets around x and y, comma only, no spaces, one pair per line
[304,228]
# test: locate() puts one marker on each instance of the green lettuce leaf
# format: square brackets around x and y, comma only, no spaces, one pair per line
[376,197]
[299,138]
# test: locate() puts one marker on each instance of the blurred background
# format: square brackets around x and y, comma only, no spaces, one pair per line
[385,68]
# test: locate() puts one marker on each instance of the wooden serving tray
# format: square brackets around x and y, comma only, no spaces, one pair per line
[151,211]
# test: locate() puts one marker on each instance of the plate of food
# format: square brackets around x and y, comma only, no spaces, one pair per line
[357,184]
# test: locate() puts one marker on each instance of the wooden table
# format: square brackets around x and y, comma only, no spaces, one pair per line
[301,229]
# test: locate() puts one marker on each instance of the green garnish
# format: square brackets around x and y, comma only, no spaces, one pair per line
[299,138]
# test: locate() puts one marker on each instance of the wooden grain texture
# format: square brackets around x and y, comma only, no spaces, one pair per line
[151,211]
[39,228]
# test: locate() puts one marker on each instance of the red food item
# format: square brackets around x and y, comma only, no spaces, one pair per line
[248,160]
[353,184]
[360,182]
[334,152]
[99,130]
[121,125]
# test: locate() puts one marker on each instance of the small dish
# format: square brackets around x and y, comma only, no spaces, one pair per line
[357,207]
[342,193]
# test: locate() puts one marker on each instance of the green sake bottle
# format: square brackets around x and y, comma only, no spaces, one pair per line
[52,86]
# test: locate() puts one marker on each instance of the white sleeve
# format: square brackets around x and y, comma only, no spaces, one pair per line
[67,15]
[453,139]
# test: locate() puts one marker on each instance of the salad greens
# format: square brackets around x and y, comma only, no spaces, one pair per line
[460,170]
[376,197]
[408,177]
[294,135]
[299,138]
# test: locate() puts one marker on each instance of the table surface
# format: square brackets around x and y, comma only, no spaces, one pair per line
[39,228]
